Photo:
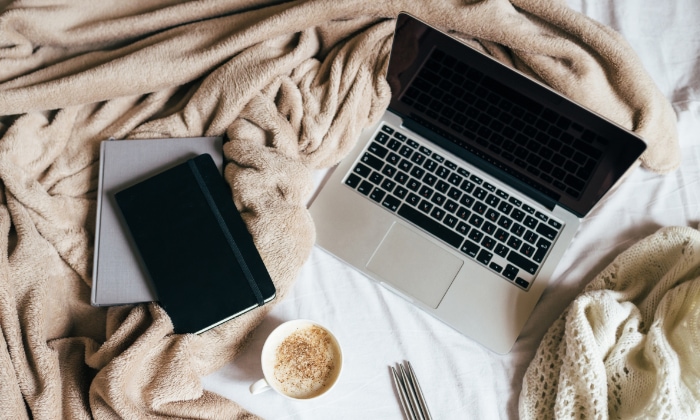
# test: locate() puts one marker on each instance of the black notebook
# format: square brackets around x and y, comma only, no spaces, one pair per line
[196,248]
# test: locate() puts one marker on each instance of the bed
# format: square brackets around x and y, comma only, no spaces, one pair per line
[460,378]
[265,74]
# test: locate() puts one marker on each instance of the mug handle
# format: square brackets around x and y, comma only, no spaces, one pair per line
[259,386]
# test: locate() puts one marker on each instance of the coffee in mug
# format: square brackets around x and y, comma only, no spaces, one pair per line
[301,359]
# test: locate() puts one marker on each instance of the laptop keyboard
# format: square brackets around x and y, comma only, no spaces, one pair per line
[500,231]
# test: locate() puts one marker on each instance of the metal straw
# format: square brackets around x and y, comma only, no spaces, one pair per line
[410,393]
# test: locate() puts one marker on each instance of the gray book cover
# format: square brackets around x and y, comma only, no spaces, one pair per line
[119,277]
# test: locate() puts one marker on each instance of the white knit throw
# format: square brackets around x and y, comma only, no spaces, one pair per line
[629,345]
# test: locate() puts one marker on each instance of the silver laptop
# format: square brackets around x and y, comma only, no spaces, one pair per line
[465,195]
[119,277]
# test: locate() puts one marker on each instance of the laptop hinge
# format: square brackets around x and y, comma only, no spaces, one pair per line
[547,200]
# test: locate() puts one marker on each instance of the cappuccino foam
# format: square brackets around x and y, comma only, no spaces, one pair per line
[306,362]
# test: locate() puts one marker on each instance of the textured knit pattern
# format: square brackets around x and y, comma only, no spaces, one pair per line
[291,85]
[628,347]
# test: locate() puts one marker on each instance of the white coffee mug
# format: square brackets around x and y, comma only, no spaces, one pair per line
[301,360]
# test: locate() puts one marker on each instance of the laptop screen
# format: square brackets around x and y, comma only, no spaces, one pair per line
[500,120]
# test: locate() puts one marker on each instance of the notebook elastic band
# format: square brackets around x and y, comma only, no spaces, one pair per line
[227,233]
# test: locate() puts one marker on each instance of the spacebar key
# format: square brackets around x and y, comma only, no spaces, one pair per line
[426,223]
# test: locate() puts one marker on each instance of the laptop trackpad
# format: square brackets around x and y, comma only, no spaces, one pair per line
[414,265]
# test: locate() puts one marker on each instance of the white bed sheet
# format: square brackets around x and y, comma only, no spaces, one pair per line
[461,379]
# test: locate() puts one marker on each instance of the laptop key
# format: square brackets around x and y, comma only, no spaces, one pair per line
[430,165]
[501,235]
[429,179]
[514,201]
[393,158]
[362,170]
[400,192]
[418,158]
[530,236]
[467,200]
[389,170]
[417,172]
[553,223]
[377,195]
[405,165]
[442,186]
[530,222]
[492,200]
[470,248]
[378,149]
[406,151]
[492,215]
[401,177]
[365,187]
[463,228]
[413,199]
[505,222]
[381,138]
[488,242]
[388,185]
[437,213]
[514,242]
[442,172]
[511,272]
[372,161]
[546,231]
[476,220]
[455,179]
[376,177]
[454,193]
[392,203]
[489,228]
[394,144]
[425,206]
[353,180]
[479,207]
[484,257]
[517,229]
[518,215]
[463,213]
[541,216]
[543,246]
[438,199]
[539,255]
[425,191]
[522,262]
[501,250]
[522,282]
[426,223]
[527,250]
[476,235]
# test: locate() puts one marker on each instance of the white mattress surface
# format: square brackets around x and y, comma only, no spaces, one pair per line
[461,379]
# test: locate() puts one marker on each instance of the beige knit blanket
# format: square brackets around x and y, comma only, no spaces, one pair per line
[628,347]
[291,85]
